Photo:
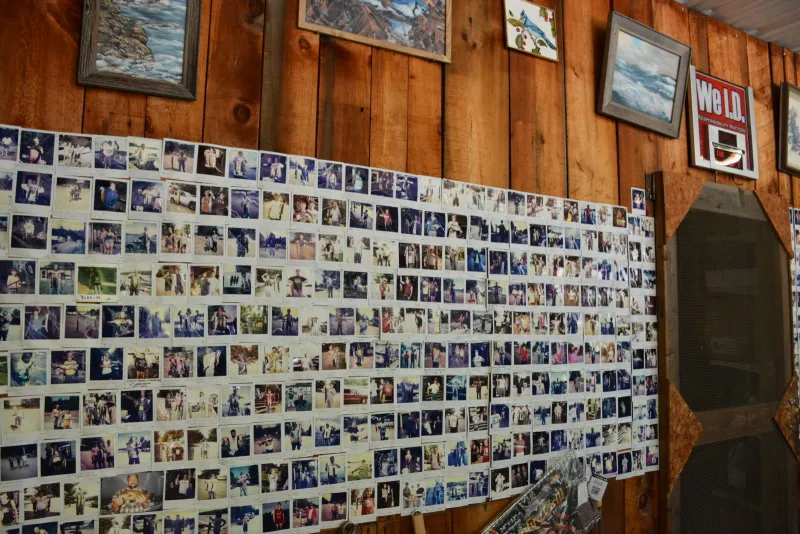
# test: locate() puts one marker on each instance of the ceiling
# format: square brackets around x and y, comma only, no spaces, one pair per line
[776,21]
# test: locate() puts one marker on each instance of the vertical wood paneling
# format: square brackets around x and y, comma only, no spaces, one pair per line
[538,150]
[675,20]
[591,138]
[698,34]
[425,128]
[233,83]
[637,148]
[727,55]
[179,119]
[40,65]
[113,112]
[389,110]
[476,143]
[473,519]
[345,86]
[760,78]
[777,57]
[294,127]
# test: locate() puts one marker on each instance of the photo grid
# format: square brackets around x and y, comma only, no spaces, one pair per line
[225,340]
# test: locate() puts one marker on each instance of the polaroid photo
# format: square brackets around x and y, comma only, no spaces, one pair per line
[19,462]
[381,183]
[214,201]
[72,198]
[11,318]
[407,187]
[387,218]
[42,323]
[330,175]
[241,243]
[223,320]
[209,241]
[141,239]
[57,280]
[118,322]
[37,148]
[177,363]
[105,238]
[202,446]
[356,179]
[273,168]
[243,165]
[302,246]
[147,200]
[110,155]
[276,516]
[235,442]
[179,159]
[212,361]
[75,152]
[334,212]
[305,210]
[7,178]
[144,157]
[155,323]
[244,360]
[276,360]
[9,145]
[284,321]
[33,193]
[302,171]
[61,413]
[170,446]
[106,366]
[268,401]
[17,277]
[212,161]
[110,199]
[57,458]
[253,321]
[136,407]
[275,206]
[22,417]
[362,216]
[334,508]
[45,502]
[328,396]
[273,246]
[183,201]
[170,281]
[245,203]
[204,281]
[203,402]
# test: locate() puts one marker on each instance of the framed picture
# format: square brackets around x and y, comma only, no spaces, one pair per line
[723,125]
[644,77]
[143,47]
[531,29]
[417,28]
[789,141]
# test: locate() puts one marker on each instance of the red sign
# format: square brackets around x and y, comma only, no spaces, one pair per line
[723,125]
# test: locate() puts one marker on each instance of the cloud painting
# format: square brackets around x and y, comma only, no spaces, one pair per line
[645,77]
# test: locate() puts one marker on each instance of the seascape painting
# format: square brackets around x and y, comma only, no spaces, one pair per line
[645,77]
[147,46]
[142,38]
[790,129]
[416,27]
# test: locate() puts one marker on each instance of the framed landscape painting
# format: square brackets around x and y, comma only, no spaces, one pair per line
[531,29]
[143,46]
[789,142]
[644,77]
[416,27]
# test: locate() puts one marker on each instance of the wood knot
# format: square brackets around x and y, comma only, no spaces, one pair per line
[642,501]
[241,113]
[304,44]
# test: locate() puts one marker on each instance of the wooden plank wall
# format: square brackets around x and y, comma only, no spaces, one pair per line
[493,116]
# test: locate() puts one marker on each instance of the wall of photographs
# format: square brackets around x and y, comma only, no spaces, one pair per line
[209,339]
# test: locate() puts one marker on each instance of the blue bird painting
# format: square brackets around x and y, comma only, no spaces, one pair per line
[533,30]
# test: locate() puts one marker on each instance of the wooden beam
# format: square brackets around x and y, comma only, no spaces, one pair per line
[591,138]
[389,110]
[425,127]
[233,82]
[476,144]
[345,87]
[759,70]
[733,423]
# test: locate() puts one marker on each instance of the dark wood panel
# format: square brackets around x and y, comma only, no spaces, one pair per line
[472,520]
[777,55]
[476,144]
[233,82]
[727,55]
[345,88]
[425,128]
[538,148]
[289,118]
[637,148]
[389,110]
[698,33]
[591,138]
[113,112]
[180,119]
[40,65]
[759,72]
